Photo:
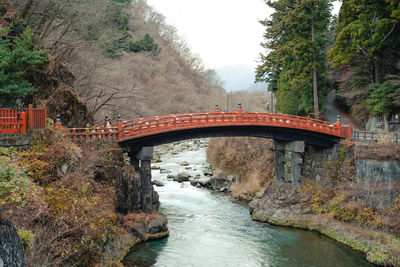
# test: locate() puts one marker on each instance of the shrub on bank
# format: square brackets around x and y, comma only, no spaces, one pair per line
[64,215]
[248,158]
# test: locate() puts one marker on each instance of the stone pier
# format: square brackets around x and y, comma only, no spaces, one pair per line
[288,161]
[141,160]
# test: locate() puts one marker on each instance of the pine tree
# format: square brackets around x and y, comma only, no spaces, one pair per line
[294,65]
[18,57]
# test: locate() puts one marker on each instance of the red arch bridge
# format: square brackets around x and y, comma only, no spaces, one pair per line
[152,131]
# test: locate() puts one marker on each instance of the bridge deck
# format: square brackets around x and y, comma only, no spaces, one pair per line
[142,127]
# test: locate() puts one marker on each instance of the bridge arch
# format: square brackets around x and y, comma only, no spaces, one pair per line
[153,131]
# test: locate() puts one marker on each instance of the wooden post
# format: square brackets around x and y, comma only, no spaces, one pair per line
[119,130]
[44,115]
[23,122]
[30,116]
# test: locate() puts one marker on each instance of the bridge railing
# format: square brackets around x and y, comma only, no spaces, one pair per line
[368,136]
[17,121]
[12,121]
[147,126]
[94,133]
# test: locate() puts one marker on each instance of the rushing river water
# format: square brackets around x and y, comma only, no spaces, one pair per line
[211,229]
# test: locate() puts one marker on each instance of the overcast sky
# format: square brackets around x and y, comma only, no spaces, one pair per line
[222,32]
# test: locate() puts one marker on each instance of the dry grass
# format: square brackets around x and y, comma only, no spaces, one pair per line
[377,151]
[71,215]
[249,158]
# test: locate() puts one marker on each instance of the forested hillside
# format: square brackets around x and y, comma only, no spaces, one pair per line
[124,57]
[366,57]
[358,51]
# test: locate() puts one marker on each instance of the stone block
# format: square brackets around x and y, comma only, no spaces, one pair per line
[146,153]
[296,146]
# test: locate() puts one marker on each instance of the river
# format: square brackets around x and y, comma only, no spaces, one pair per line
[212,229]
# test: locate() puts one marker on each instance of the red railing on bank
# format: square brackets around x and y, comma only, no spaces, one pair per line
[19,121]
[137,128]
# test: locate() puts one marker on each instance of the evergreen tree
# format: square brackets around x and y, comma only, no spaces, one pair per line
[18,57]
[368,37]
[294,65]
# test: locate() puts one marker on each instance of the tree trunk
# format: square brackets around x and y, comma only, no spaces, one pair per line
[315,85]
[26,9]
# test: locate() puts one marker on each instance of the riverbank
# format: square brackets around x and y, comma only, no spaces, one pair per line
[211,228]
[282,205]
[74,203]
[330,210]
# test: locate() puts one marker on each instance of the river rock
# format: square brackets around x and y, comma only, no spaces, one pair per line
[194,182]
[164,171]
[157,183]
[157,224]
[208,170]
[188,168]
[185,163]
[204,182]
[182,177]
[279,203]
[156,160]
[170,176]
[144,225]
[155,167]
[221,182]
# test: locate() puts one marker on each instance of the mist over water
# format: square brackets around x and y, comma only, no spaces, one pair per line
[212,229]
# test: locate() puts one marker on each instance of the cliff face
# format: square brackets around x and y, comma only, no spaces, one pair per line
[56,92]
[11,249]
[75,204]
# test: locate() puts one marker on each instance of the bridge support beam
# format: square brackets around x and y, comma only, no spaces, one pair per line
[288,161]
[141,160]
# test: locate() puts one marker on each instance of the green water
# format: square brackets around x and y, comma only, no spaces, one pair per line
[211,229]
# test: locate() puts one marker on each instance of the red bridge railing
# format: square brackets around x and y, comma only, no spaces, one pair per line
[14,121]
[17,121]
[137,128]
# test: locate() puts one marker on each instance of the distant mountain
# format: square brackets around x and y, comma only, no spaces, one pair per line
[257,87]
[239,77]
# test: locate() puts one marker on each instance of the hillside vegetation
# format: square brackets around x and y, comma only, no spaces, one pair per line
[124,57]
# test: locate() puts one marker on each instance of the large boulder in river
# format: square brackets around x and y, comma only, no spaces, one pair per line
[194,182]
[205,182]
[182,177]
[221,182]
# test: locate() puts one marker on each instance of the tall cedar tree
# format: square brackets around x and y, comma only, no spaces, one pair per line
[292,56]
[368,37]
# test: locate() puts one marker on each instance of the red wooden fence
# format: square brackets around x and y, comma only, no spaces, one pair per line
[16,121]
[36,118]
